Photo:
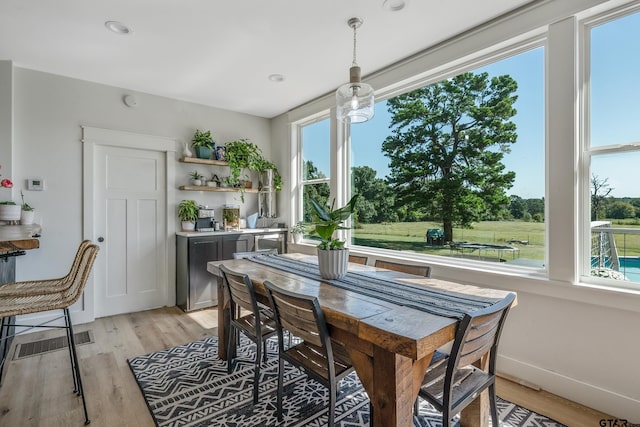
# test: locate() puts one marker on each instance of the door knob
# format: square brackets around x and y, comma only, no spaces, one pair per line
[100,239]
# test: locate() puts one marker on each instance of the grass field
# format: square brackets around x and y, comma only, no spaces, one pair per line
[410,236]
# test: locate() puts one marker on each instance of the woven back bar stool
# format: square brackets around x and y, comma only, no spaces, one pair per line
[20,298]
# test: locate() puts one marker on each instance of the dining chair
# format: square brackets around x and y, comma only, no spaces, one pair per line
[452,382]
[321,358]
[357,259]
[257,325]
[21,298]
[418,270]
[251,254]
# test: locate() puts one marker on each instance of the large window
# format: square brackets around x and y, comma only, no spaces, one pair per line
[612,151]
[456,168]
[315,165]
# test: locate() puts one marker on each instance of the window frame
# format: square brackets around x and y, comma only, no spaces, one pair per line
[587,152]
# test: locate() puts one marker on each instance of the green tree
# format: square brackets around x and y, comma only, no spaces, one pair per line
[318,192]
[518,207]
[621,210]
[600,190]
[376,203]
[447,144]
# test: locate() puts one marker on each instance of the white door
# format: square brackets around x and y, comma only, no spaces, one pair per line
[130,218]
[126,196]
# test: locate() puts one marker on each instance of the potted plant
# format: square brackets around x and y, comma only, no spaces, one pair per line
[203,143]
[333,257]
[269,175]
[188,214]
[196,178]
[27,214]
[297,231]
[9,211]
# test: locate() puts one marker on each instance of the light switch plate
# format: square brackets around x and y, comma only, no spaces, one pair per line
[35,184]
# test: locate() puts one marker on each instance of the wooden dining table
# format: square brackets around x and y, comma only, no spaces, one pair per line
[390,345]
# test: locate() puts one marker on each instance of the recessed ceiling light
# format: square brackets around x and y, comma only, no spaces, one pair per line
[394,5]
[276,78]
[117,27]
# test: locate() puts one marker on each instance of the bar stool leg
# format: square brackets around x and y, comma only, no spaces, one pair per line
[77,365]
[76,389]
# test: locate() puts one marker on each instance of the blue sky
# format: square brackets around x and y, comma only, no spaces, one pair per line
[615,115]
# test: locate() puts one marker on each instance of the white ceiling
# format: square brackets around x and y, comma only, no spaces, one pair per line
[220,53]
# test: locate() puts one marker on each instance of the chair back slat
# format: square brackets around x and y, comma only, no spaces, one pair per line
[298,316]
[418,270]
[480,338]
[357,259]
[240,290]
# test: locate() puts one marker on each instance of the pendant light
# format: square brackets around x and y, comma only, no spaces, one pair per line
[355,99]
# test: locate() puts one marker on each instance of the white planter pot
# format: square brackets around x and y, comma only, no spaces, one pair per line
[333,264]
[10,212]
[297,238]
[188,226]
[197,182]
[26,217]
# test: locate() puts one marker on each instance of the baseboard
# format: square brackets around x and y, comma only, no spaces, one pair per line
[607,401]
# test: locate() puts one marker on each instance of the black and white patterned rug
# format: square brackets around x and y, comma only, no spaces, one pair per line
[189,386]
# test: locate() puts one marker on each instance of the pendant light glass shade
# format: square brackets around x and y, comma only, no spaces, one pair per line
[354,100]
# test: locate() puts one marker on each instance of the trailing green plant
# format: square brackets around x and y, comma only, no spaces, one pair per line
[7,203]
[243,155]
[327,220]
[188,210]
[202,139]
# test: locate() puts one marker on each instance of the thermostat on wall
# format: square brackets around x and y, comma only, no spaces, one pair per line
[36,184]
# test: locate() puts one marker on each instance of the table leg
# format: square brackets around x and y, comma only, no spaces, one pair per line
[392,383]
[476,414]
[224,318]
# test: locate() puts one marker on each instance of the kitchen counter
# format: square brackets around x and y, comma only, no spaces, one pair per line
[226,233]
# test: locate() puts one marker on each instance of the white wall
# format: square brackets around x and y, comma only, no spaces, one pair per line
[577,341]
[48,113]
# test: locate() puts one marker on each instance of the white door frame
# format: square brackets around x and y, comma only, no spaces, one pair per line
[91,137]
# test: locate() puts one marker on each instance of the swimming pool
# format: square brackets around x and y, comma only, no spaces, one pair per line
[630,266]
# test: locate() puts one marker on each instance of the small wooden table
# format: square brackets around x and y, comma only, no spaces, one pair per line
[14,240]
[390,345]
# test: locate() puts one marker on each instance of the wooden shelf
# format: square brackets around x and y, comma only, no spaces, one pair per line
[219,189]
[203,161]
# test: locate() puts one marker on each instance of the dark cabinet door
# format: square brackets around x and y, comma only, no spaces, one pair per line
[236,243]
[202,284]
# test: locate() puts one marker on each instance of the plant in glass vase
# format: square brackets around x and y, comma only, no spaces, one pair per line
[333,257]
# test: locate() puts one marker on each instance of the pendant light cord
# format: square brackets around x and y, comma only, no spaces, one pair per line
[354,45]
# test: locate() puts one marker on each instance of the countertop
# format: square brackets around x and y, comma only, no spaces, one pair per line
[19,237]
[222,233]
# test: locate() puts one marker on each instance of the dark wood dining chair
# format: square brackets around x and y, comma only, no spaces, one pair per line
[358,259]
[257,325]
[418,270]
[36,296]
[322,359]
[452,382]
[251,254]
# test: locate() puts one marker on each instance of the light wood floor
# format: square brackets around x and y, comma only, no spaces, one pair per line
[37,390]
